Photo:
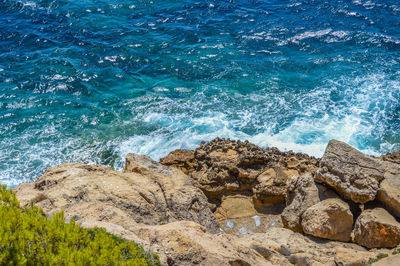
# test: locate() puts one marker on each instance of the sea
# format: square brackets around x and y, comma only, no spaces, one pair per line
[92,80]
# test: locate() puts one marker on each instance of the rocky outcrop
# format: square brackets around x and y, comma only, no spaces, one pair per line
[302,194]
[330,218]
[376,228]
[351,173]
[230,206]
[225,167]
[150,194]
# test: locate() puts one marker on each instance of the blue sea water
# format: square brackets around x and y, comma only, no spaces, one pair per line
[92,80]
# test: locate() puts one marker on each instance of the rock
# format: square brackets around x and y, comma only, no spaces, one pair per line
[302,194]
[376,228]
[351,173]
[389,261]
[272,184]
[391,157]
[235,206]
[147,193]
[330,219]
[302,250]
[183,159]
[161,208]
[187,243]
[225,167]
[389,193]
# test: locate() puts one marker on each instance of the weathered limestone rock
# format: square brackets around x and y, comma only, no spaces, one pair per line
[301,250]
[162,209]
[235,206]
[183,159]
[272,184]
[151,194]
[376,228]
[302,194]
[187,243]
[391,157]
[330,218]
[225,167]
[389,261]
[351,173]
[389,192]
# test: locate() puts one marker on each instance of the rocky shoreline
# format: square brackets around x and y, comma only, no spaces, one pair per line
[234,203]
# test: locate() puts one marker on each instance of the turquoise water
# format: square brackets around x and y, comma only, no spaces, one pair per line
[90,81]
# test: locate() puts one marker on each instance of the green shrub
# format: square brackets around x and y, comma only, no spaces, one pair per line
[27,237]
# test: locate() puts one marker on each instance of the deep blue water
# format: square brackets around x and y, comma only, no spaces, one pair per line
[90,81]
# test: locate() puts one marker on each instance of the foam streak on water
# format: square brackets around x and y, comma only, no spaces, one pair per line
[90,81]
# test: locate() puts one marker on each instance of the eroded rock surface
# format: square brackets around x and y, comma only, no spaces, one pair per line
[330,218]
[351,173]
[247,189]
[376,228]
[389,193]
[302,194]
[301,250]
[223,167]
[151,194]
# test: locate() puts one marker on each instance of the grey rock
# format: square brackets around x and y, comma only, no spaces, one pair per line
[351,173]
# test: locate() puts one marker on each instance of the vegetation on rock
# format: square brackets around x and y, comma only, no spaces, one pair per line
[27,237]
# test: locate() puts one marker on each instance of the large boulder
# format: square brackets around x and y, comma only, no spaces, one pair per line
[147,192]
[389,191]
[330,218]
[302,194]
[376,228]
[351,173]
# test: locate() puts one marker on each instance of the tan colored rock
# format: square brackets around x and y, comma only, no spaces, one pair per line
[272,184]
[225,167]
[330,219]
[351,173]
[187,243]
[376,228]
[391,157]
[151,195]
[183,159]
[235,206]
[302,194]
[151,204]
[389,193]
[301,250]
[389,261]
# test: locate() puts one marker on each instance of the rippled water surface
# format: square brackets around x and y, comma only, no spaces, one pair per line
[90,81]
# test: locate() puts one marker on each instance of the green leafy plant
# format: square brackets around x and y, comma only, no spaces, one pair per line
[27,237]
